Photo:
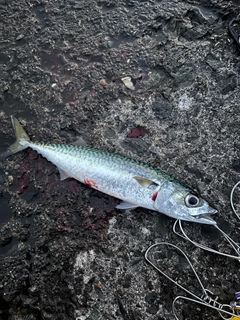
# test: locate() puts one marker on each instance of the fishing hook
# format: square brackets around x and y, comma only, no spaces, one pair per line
[232,243]
[205,300]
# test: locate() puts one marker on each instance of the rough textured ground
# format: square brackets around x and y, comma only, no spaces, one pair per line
[65,252]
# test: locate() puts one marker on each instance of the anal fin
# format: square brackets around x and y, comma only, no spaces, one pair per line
[63,174]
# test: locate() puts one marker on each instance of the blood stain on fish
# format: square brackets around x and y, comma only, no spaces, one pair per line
[90,183]
[154,196]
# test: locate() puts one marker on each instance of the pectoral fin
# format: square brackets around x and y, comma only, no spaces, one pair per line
[144,182]
[126,206]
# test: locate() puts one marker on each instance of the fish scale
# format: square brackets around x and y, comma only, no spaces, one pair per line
[134,182]
[109,173]
[101,157]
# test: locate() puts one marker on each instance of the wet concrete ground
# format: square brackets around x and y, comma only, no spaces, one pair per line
[65,251]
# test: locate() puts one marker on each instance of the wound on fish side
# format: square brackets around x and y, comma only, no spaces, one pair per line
[90,183]
[154,196]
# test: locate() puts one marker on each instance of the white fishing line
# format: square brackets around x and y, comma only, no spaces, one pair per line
[207,299]
[231,200]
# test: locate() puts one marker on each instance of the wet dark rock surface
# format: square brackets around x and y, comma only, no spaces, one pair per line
[65,251]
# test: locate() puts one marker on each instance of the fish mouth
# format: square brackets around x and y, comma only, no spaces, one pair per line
[209,211]
[206,218]
[212,211]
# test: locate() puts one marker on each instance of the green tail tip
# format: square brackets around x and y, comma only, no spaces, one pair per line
[19,131]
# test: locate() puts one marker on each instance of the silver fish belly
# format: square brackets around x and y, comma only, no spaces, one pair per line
[136,183]
[109,173]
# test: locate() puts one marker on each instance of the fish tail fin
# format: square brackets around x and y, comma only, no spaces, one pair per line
[22,140]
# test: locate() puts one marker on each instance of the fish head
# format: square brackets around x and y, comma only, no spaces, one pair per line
[181,203]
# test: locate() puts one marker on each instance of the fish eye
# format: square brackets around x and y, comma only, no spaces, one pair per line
[192,200]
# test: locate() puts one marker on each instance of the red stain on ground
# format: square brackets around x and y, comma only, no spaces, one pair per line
[137,132]
[24,180]
[90,183]
[124,54]
[74,185]
[63,212]
[23,183]
[154,196]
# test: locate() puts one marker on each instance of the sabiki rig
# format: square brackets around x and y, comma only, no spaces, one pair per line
[135,183]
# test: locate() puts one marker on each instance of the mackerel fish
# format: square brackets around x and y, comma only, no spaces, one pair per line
[134,182]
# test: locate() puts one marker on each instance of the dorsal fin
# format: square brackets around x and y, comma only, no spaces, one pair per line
[80,142]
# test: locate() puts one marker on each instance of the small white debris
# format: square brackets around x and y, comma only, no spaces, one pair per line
[185,102]
[10,180]
[82,317]
[111,222]
[84,259]
[54,85]
[128,83]
[110,43]
[86,279]
[19,37]
[145,231]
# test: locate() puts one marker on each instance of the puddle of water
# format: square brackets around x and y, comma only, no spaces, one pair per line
[6,141]
[91,58]
[4,306]
[206,12]
[12,104]
[51,61]
[121,39]
[40,13]
[4,58]
[107,6]
[9,247]
[6,211]
[209,233]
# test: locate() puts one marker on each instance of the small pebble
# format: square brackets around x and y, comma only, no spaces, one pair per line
[110,43]
[128,83]
[103,82]
[10,179]
[19,37]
